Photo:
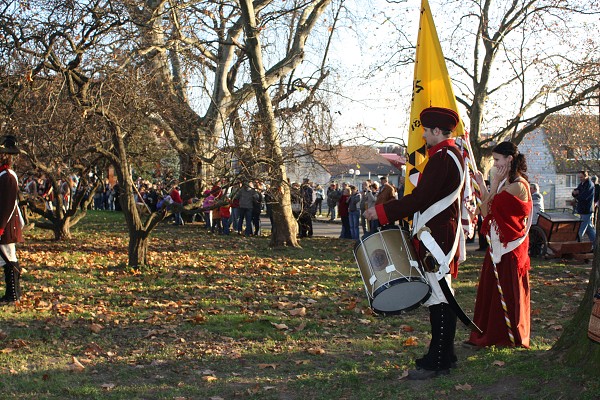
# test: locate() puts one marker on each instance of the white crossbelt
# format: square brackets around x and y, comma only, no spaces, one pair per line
[424,234]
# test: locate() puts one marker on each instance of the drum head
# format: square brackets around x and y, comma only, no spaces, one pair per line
[401,295]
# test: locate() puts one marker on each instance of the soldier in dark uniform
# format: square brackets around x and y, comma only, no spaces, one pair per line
[440,183]
[11,221]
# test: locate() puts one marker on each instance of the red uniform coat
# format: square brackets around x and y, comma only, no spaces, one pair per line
[10,225]
[439,179]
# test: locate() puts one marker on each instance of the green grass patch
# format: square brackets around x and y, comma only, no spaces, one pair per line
[227,317]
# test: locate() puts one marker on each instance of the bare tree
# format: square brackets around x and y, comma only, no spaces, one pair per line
[88,49]
[182,40]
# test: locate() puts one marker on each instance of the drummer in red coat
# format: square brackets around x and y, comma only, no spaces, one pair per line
[11,221]
[434,206]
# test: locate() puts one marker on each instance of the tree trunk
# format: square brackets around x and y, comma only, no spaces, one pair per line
[574,347]
[284,228]
[138,248]
[62,229]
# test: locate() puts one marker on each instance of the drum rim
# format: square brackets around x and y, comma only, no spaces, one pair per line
[383,229]
[395,282]
[398,312]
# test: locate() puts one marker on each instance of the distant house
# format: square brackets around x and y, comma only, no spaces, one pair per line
[355,164]
[302,164]
[564,145]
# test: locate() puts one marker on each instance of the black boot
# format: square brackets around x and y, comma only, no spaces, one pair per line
[440,357]
[12,278]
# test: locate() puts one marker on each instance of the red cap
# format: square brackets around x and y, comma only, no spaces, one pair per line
[438,117]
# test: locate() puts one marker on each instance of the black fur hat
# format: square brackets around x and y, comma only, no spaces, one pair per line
[8,145]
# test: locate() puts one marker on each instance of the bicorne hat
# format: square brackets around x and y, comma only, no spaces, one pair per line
[8,145]
[438,117]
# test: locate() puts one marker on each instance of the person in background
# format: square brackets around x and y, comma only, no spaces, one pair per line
[538,202]
[305,218]
[370,202]
[225,212]
[584,194]
[319,200]
[177,204]
[354,212]
[365,190]
[11,220]
[386,192]
[246,195]
[503,291]
[344,214]
[333,198]
[257,206]
[596,198]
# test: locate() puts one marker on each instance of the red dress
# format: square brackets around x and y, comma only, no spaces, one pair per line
[509,214]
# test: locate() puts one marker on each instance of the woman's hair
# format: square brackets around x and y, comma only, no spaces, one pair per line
[518,166]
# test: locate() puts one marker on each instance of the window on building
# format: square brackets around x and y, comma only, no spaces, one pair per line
[571,181]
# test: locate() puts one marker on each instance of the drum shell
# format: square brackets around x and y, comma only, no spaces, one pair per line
[405,286]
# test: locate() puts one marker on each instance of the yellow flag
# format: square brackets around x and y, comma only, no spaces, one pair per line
[431,88]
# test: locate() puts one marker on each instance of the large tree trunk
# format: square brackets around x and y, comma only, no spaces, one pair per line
[284,226]
[574,347]
[138,247]
[62,229]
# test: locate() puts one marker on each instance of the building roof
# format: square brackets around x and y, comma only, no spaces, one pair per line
[340,160]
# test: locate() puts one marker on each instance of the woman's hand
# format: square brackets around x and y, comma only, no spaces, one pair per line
[370,214]
[501,173]
[479,178]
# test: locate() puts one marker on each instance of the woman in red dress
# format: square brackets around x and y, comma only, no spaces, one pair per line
[502,308]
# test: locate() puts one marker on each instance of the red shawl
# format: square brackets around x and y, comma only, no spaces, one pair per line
[510,216]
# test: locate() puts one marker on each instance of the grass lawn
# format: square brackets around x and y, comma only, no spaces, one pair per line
[216,317]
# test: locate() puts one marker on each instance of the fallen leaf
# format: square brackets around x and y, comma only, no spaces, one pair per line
[76,366]
[108,386]
[498,363]
[301,326]
[302,362]
[466,386]
[364,321]
[404,375]
[209,378]
[411,341]
[265,366]
[298,312]
[406,328]
[316,350]
[556,327]
[279,326]
[96,328]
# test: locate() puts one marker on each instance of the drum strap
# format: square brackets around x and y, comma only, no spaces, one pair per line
[424,233]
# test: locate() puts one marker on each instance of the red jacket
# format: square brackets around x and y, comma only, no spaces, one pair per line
[10,224]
